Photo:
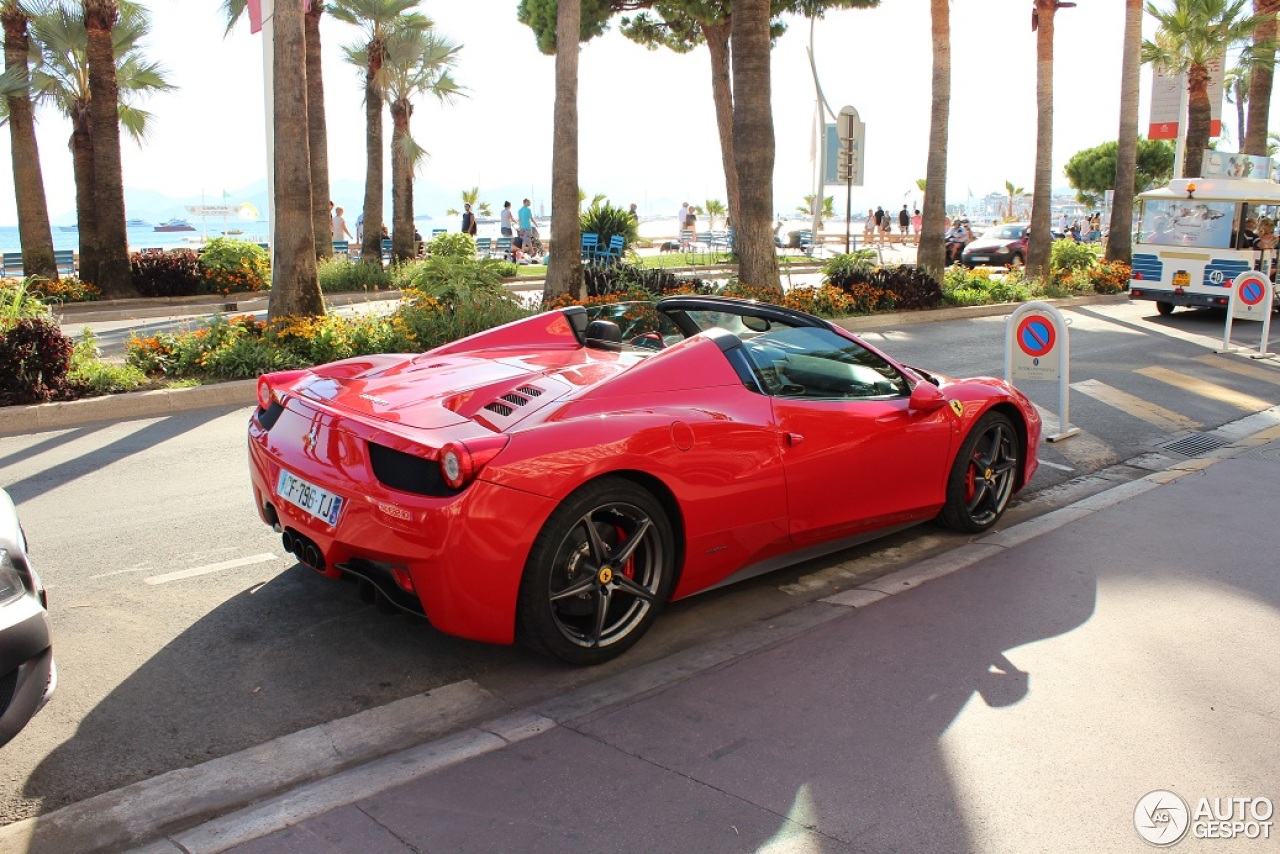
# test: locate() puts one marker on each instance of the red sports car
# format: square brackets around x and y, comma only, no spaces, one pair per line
[558,479]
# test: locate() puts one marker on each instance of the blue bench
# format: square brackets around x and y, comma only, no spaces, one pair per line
[65,259]
[12,265]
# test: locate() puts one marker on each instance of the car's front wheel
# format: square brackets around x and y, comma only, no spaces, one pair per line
[598,574]
[983,475]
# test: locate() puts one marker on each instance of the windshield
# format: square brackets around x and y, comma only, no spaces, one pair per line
[642,326]
[1006,232]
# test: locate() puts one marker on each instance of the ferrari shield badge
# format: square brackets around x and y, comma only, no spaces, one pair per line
[958,408]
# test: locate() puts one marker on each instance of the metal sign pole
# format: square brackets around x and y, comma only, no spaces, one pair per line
[1037,347]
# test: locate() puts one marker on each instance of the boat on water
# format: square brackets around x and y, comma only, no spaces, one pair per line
[136,223]
[175,224]
[74,227]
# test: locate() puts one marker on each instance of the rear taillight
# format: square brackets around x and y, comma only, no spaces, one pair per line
[268,383]
[461,462]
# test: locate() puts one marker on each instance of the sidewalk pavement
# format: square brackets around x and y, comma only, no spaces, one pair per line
[1119,645]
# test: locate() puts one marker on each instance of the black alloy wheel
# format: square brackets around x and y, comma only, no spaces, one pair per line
[983,475]
[598,574]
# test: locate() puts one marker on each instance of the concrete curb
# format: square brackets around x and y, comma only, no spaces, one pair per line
[119,407]
[149,404]
[280,788]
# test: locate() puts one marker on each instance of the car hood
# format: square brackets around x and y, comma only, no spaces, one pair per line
[990,243]
[497,389]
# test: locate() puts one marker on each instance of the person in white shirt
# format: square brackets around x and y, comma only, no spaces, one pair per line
[340,231]
[507,222]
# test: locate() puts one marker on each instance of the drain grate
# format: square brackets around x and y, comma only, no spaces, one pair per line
[1194,445]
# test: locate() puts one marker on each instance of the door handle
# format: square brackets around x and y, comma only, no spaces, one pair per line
[794,439]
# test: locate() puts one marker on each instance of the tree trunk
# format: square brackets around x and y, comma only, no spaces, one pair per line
[86,209]
[34,231]
[1042,198]
[403,247]
[717,36]
[295,290]
[931,252]
[1198,119]
[564,271]
[114,277]
[1261,77]
[371,246]
[317,135]
[753,145]
[1120,237]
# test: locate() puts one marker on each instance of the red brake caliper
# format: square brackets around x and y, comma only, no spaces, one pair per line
[629,570]
[970,485]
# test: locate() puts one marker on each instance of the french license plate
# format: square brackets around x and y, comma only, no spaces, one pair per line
[979,258]
[1181,279]
[322,504]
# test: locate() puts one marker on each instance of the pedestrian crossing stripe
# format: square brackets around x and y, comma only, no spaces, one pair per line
[1145,410]
[1252,370]
[1085,451]
[1204,388]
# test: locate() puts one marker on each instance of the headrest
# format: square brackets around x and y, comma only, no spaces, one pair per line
[603,335]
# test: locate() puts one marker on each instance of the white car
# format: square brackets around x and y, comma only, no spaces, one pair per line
[27,672]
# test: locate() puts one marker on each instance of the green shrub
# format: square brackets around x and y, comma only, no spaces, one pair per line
[605,220]
[622,278]
[166,274]
[449,245]
[846,265]
[342,275]
[234,266]
[453,279]
[34,359]
[897,288]
[962,286]
[1067,255]
[432,323]
[90,376]
[507,269]
[65,289]
[20,298]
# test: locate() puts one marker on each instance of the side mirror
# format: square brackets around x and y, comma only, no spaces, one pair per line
[926,397]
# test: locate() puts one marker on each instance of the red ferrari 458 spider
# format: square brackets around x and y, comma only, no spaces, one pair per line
[558,479]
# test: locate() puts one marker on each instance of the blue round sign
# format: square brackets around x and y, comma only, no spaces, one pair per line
[1251,292]
[1036,336]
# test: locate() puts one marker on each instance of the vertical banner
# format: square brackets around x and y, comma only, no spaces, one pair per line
[1166,92]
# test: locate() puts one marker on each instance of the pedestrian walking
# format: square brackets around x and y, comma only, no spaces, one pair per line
[468,221]
[904,221]
[507,221]
[525,219]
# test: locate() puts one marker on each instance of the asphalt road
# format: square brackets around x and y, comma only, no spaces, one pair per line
[183,633]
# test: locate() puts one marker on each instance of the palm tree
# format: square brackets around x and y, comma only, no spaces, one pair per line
[418,62]
[753,144]
[375,18]
[112,275]
[62,79]
[1192,35]
[317,132]
[472,197]
[1120,233]
[564,271]
[1042,200]
[931,251]
[34,231]
[715,208]
[1013,192]
[1260,80]
[1236,88]
[828,207]
[295,288]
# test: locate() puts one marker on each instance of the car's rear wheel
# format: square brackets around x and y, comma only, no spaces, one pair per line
[1164,307]
[983,475]
[598,574]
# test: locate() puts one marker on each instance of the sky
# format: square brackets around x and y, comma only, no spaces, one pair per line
[647,125]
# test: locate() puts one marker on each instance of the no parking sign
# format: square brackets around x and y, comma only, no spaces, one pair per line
[1036,347]
[1251,297]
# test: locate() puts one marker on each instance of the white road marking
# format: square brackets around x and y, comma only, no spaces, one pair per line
[1213,391]
[1057,466]
[213,567]
[1149,412]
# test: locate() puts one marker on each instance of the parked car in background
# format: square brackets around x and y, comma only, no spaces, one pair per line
[559,479]
[1002,245]
[27,672]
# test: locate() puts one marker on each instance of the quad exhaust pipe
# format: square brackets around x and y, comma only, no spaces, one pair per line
[303,548]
